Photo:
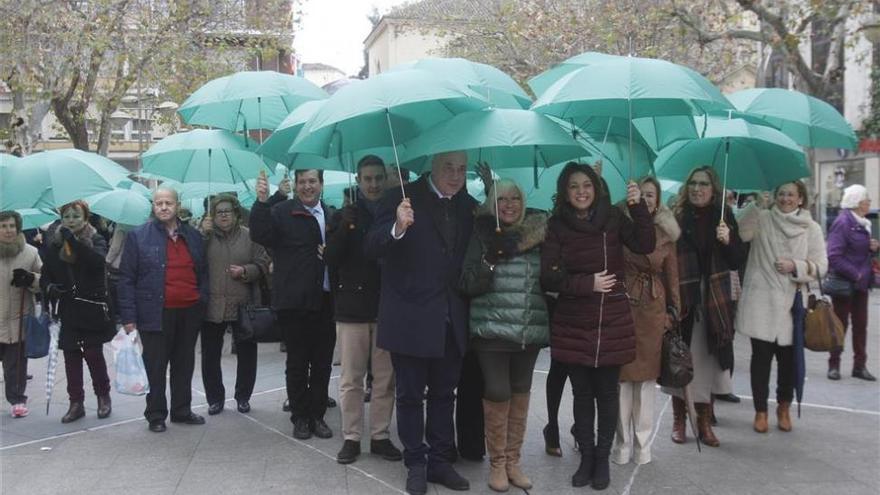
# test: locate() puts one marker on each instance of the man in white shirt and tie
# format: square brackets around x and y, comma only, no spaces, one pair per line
[294,231]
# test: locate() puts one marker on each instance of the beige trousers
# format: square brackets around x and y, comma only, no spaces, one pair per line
[357,348]
[634,423]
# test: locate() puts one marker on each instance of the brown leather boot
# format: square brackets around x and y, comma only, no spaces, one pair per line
[704,425]
[516,432]
[760,424]
[104,406]
[783,419]
[495,419]
[679,420]
[75,412]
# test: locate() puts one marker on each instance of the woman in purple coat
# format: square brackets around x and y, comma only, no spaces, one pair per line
[850,249]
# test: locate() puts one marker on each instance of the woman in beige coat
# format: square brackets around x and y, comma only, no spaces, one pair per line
[19,278]
[235,264]
[787,252]
[652,287]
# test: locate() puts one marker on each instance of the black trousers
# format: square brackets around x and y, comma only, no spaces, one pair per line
[469,409]
[310,337]
[212,373]
[507,373]
[762,359]
[556,378]
[174,345]
[417,424]
[596,395]
[14,372]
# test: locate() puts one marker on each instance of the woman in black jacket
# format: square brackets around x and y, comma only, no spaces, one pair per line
[74,275]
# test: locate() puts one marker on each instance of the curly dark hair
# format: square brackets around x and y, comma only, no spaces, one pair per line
[560,199]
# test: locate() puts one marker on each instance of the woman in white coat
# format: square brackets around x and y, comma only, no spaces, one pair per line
[787,252]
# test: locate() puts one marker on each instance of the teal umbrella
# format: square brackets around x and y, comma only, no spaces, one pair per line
[33,218]
[494,85]
[505,138]
[277,146]
[135,186]
[200,190]
[544,80]
[248,100]
[123,206]
[7,159]
[212,156]
[383,111]
[745,155]
[809,121]
[54,178]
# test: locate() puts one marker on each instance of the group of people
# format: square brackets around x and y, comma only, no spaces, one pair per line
[444,303]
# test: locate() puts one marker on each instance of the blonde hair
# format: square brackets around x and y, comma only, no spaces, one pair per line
[504,186]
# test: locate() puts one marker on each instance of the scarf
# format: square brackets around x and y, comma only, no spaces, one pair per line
[83,236]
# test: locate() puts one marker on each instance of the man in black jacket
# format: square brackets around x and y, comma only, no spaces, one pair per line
[421,240]
[294,232]
[356,292]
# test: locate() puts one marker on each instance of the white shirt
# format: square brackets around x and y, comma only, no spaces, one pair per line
[318,212]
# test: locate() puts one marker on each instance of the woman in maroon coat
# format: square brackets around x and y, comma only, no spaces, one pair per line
[592,328]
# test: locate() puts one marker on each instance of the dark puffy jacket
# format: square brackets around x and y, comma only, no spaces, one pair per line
[141,289]
[507,302]
[354,278]
[590,328]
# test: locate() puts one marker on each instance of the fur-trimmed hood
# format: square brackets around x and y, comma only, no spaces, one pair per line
[667,225]
[528,234]
[11,249]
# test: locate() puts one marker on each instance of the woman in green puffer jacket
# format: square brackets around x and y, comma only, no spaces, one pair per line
[508,321]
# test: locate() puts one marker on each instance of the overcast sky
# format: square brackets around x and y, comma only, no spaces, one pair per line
[333,31]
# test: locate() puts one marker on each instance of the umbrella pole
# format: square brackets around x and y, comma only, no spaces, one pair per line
[394,147]
[724,188]
[629,127]
[260,118]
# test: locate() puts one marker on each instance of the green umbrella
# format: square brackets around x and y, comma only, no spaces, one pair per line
[745,155]
[212,156]
[495,86]
[277,146]
[33,218]
[505,138]
[137,187]
[383,111]
[54,178]
[809,121]
[248,100]
[7,159]
[544,80]
[123,206]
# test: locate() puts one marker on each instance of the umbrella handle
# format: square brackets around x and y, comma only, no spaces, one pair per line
[394,147]
[724,188]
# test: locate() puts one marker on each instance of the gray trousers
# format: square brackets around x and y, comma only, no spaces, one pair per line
[14,372]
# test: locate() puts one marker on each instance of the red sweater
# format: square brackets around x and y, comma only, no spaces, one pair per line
[181,288]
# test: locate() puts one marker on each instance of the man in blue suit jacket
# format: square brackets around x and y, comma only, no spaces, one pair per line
[421,240]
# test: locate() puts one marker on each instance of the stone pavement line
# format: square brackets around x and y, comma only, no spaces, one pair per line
[632,477]
[321,452]
[823,406]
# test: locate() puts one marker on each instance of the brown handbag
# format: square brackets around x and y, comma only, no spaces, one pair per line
[823,330]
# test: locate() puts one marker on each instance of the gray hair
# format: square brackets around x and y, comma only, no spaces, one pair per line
[167,189]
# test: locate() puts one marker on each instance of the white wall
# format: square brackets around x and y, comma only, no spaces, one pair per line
[857,81]
[397,44]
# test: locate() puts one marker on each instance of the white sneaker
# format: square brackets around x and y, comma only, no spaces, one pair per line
[19,410]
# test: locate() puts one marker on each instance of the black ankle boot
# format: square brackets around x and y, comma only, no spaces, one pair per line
[601,470]
[584,474]
[75,412]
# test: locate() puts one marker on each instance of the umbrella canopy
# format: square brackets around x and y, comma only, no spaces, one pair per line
[248,100]
[631,87]
[135,186]
[54,178]
[505,138]
[382,111]
[544,80]
[491,83]
[277,146]
[7,159]
[809,121]
[213,156]
[123,206]
[33,218]
[759,157]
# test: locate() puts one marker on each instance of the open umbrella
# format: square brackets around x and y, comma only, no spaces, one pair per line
[494,85]
[32,218]
[123,206]
[212,156]
[248,100]
[277,146]
[544,80]
[54,178]
[7,159]
[808,120]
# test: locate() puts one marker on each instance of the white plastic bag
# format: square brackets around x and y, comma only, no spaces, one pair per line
[131,376]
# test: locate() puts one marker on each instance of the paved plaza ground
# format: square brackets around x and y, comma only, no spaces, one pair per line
[834,448]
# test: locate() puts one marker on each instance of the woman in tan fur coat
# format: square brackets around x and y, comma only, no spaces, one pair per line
[652,287]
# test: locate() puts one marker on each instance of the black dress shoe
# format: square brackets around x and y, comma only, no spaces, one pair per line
[863,374]
[244,406]
[320,429]
[215,408]
[386,449]
[157,426]
[286,406]
[349,452]
[727,398]
[192,419]
[833,374]
[330,402]
[416,481]
[445,475]
[301,430]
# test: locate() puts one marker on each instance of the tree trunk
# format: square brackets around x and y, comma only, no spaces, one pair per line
[104,132]
[73,119]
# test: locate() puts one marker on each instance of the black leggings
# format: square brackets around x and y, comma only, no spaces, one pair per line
[555,386]
[506,373]
[762,360]
[596,395]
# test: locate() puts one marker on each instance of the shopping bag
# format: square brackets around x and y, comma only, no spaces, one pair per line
[131,376]
[36,335]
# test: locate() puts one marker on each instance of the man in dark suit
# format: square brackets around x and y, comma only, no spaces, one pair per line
[293,230]
[421,240]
